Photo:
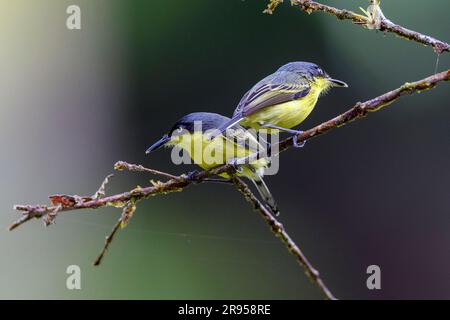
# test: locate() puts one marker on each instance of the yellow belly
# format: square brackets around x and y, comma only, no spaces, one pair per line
[286,115]
[209,154]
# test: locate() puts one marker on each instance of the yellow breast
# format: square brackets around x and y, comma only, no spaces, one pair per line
[209,154]
[289,114]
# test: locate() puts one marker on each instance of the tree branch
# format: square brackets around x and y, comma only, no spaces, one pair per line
[75,202]
[279,231]
[384,24]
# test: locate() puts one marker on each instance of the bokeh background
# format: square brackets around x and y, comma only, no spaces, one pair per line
[74,102]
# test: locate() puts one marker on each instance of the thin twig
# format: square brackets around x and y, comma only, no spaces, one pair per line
[51,216]
[122,165]
[385,25]
[127,213]
[24,218]
[279,231]
[102,190]
[272,5]
[108,241]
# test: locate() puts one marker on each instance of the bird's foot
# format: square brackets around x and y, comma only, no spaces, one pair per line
[295,142]
[234,163]
[294,132]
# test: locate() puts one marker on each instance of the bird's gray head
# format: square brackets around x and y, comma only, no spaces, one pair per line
[204,121]
[197,121]
[311,70]
[301,67]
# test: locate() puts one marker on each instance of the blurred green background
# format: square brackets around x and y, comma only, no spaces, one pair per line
[74,102]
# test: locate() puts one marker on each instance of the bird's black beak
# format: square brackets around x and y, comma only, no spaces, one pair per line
[158,144]
[338,83]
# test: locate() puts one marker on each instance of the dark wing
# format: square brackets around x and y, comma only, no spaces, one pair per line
[277,88]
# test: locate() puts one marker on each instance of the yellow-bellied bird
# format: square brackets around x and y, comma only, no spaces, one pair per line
[191,133]
[283,99]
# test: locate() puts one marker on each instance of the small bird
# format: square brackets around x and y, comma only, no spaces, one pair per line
[283,99]
[191,134]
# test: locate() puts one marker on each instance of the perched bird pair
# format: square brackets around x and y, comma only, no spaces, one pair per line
[277,103]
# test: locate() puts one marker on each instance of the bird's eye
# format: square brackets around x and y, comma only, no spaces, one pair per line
[180,130]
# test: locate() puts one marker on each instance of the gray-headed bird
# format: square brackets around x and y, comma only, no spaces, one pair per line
[283,99]
[191,134]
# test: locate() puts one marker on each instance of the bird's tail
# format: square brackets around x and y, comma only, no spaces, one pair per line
[266,195]
[233,121]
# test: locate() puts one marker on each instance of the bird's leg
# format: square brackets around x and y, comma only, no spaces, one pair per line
[295,141]
[234,163]
[191,176]
[294,132]
[218,180]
